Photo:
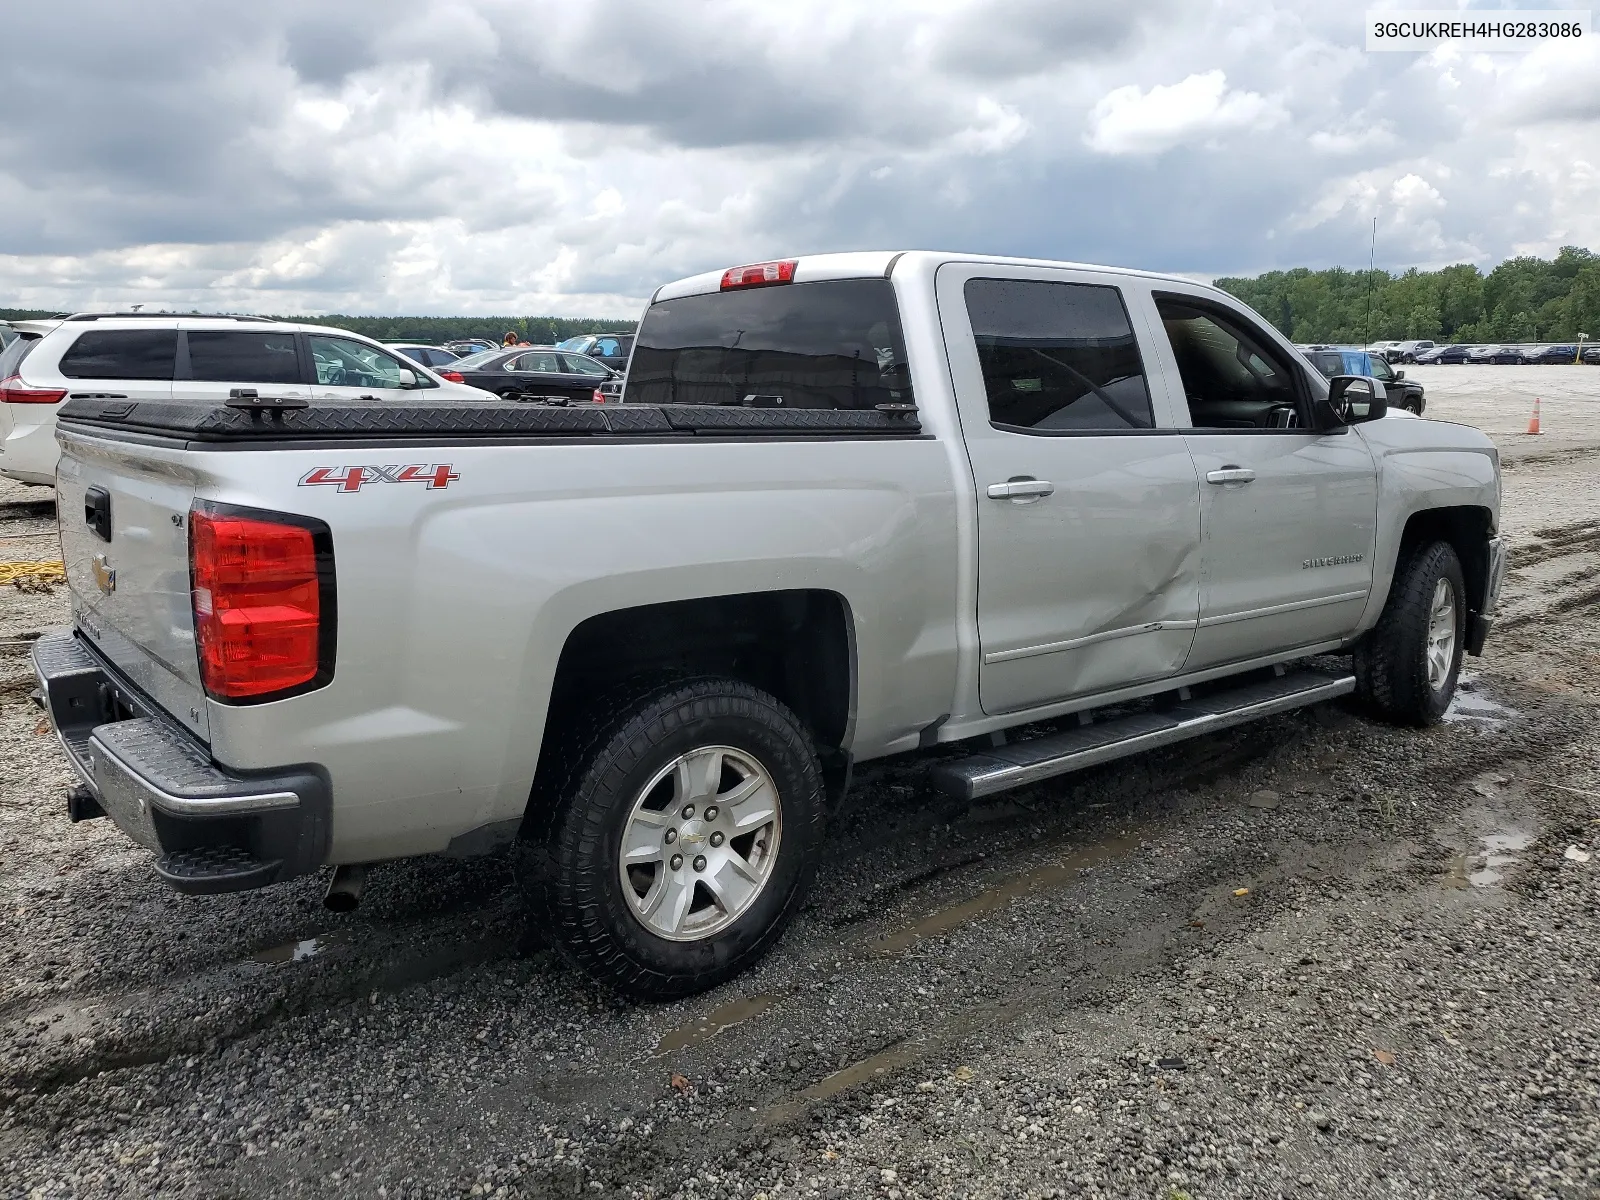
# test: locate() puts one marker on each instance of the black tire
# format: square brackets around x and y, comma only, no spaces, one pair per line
[570,860]
[1392,660]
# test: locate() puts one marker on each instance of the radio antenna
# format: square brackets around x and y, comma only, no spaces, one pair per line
[1372,260]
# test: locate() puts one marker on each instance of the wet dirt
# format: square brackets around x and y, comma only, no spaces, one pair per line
[1038,957]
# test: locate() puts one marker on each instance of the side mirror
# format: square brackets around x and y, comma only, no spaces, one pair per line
[408,379]
[1399,374]
[1357,398]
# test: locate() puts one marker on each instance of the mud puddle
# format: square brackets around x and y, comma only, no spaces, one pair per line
[1472,707]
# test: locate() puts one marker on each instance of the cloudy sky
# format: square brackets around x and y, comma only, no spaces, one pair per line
[525,156]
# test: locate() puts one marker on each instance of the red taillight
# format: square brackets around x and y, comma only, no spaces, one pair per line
[14,391]
[262,609]
[759,274]
[599,396]
[453,376]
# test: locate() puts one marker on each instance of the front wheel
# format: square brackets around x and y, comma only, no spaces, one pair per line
[683,838]
[1406,667]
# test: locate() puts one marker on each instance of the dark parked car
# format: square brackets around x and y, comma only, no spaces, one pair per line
[1494,354]
[538,372]
[610,348]
[1439,355]
[428,356]
[1551,354]
[1592,356]
[1353,360]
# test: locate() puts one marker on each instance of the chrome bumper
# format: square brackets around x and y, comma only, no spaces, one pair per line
[212,829]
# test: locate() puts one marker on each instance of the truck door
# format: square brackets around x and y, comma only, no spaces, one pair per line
[1289,513]
[1087,500]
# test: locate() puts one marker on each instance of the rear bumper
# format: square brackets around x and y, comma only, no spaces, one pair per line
[212,830]
[28,453]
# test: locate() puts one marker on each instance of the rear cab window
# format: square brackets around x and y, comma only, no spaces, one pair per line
[834,344]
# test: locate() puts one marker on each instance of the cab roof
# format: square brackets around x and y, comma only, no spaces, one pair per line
[868,264]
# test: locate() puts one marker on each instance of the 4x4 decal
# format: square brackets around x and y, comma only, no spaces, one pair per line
[353,479]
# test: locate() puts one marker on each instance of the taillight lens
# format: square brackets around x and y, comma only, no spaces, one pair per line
[599,396]
[263,602]
[14,391]
[453,376]
[759,274]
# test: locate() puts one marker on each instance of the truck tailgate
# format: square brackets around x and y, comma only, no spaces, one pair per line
[124,517]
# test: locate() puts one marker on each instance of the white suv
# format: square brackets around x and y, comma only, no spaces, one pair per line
[168,357]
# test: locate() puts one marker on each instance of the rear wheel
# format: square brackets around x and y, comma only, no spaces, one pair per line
[1406,667]
[684,836]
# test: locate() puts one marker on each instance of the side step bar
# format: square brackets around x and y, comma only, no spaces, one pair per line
[1042,758]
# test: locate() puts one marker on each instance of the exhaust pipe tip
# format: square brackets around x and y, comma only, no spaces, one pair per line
[345,888]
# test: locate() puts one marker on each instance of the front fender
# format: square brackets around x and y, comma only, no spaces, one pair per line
[1423,466]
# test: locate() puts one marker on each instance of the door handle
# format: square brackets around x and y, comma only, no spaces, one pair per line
[1021,489]
[1230,475]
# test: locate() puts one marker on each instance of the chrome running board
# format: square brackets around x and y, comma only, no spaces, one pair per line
[1002,767]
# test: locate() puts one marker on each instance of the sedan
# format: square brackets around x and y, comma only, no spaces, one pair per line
[1443,354]
[1551,354]
[539,373]
[1494,354]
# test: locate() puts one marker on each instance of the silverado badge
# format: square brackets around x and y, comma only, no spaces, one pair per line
[1338,560]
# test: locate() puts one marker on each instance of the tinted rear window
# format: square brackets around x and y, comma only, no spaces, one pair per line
[815,345]
[122,354]
[254,357]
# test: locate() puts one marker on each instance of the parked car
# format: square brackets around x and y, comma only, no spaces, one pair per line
[644,644]
[538,372]
[1504,355]
[428,356]
[1380,349]
[1406,352]
[1440,355]
[466,346]
[1333,361]
[1559,354]
[165,356]
[612,349]
[1591,355]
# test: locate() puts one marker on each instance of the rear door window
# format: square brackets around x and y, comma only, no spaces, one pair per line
[1058,356]
[122,354]
[833,344]
[225,356]
[543,362]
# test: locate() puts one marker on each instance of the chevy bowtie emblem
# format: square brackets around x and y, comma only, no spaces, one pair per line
[104,574]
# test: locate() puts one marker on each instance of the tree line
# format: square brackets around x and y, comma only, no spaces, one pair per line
[541,331]
[1522,300]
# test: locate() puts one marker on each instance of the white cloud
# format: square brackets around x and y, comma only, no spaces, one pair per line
[569,155]
[1131,121]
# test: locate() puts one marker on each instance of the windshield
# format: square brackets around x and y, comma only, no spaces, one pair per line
[579,344]
[835,344]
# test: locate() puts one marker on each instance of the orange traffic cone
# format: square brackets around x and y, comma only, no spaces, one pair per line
[1533,421]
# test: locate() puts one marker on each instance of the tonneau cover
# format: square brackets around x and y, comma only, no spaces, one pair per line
[209,421]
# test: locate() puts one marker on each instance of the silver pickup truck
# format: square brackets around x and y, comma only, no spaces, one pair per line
[852,506]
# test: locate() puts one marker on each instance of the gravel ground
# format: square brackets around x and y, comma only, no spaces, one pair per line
[1063,991]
